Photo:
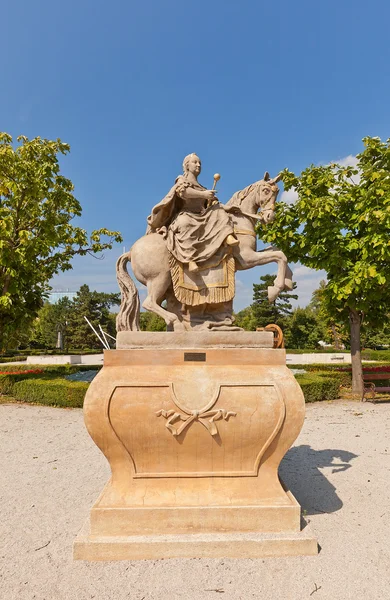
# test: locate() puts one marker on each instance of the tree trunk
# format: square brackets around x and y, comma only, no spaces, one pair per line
[357,371]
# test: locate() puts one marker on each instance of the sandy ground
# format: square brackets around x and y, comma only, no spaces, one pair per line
[339,470]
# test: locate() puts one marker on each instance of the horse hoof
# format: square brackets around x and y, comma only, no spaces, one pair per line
[288,284]
[273,292]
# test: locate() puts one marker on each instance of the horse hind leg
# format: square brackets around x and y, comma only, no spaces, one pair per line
[173,305]
[288,282]
[157,288]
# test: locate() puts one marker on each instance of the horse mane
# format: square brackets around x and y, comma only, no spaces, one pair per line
[238,198]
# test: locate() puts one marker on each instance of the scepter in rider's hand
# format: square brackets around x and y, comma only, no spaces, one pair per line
[217,177]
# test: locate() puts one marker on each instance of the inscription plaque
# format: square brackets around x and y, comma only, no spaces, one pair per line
[195,356]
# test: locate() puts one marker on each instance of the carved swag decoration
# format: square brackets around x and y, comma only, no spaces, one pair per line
[206,417]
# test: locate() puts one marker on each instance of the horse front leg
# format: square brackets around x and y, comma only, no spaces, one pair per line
[248,258]
[288,282]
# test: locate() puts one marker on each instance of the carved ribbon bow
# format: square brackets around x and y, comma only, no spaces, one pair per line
[207,419]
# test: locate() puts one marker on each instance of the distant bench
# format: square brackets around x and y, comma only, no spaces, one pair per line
[369,377]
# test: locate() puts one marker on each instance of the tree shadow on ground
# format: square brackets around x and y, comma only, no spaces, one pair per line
[300,472]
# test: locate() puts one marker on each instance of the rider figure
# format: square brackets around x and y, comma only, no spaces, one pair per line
[195,225]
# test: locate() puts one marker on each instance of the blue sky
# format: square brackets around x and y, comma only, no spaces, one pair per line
[135,86]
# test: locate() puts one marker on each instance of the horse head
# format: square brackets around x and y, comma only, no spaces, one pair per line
[259,195]
[268,191]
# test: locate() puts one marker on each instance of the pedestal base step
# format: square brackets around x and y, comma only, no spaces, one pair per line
[211,545]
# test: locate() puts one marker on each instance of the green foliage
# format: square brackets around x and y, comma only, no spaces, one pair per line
[7,383]
[333,329]
[37,237]
[246,319]
[51,319]
[7,359]
[262,312]
[50,369]
[304,329]
[150,322]
[312,351]
[320,386]
[377,337]
[53,392]
[380,355]
[48,387]
[266,312]
[341,224]
[337,370]
[57,352]
[95,306]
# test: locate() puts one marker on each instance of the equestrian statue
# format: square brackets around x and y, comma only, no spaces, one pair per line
[191,250]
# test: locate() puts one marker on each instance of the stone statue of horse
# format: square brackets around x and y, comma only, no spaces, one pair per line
[149,259]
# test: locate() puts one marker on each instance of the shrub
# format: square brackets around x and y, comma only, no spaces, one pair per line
[315,351]
[8,379]
[320,386]
[44,385]
[7,383]
[50,369]
[57,352]
[345,376]
[53,392]
[6,359]
[381,355]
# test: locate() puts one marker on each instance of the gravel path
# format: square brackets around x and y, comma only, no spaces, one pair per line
[51,474]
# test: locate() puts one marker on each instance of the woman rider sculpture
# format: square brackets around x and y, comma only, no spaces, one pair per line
[191,219]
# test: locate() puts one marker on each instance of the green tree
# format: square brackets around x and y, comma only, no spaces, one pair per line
[304,329]
[95,306]
[376,337]
[52,319]
[150,322]
[37,238]
[341,223]
[246,319]
[262,312]
[266,312]
[334,330]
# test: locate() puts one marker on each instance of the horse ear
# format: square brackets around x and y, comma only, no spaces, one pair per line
[277,178]
[266,176]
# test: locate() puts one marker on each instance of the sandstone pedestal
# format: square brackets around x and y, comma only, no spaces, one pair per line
[194,434]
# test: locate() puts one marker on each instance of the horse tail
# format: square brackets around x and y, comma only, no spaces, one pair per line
[128,316]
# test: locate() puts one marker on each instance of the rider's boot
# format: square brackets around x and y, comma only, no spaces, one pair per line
[231,240]
[193,267]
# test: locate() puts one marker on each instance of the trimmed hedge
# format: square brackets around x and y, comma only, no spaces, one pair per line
[54,352]
[320,386]
[7,383]
[51,351]
[345,377]
[315,351]
[51,369]
[322,382]
[343,371]
[53,392]
[12,359]
[380,355]
[367,354]
[46,385]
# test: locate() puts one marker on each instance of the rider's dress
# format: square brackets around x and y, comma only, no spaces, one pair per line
[194,232]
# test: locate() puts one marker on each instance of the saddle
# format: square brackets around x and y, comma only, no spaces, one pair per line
[213,283]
